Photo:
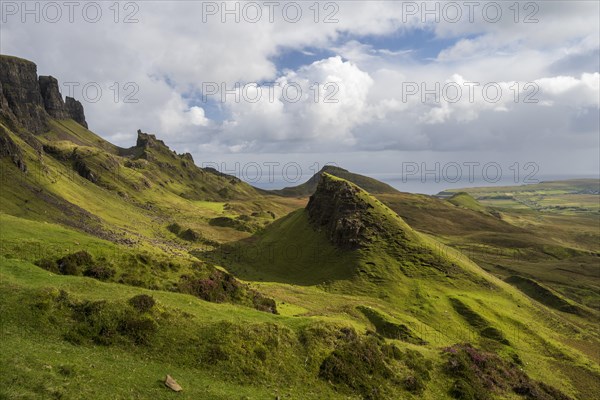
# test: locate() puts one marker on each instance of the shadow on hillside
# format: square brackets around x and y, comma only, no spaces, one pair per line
[287,251]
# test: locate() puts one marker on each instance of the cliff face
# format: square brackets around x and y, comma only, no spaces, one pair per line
[75,111]
[53,101]
[336,208]
[22,94]
[8,148]
[30,101]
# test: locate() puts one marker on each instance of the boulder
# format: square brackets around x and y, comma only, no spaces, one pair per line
[172,384]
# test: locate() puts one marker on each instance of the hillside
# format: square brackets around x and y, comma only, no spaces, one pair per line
[348,243]
[349,231]
[463,199]
[120,266]
[308,188]
[59,171]
[554,236]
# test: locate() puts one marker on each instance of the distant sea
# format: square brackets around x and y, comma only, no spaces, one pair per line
[429,186]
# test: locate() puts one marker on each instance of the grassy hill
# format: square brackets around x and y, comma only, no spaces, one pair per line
[308,188]
[343,234]
[558,249]
[76,178]
[49,344]
[120,266]
[463,199]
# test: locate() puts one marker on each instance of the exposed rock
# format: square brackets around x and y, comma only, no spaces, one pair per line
[8,148]
[336,207]
[172,384]
[84,170]
[22,98]
[54,104]
[30,100]
[187,157]
[146,140]
[75,110]
[3,101]
[53,101]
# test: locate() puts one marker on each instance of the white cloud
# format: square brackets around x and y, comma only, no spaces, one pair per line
[171,52]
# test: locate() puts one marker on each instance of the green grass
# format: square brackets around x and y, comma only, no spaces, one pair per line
[542,294]
[564,197]
[557,248]
[463,199]
[289,251]
[413,279]
[35,330]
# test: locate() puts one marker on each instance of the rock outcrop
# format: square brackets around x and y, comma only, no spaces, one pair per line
[147,140]
[29,100]
[337,208]
[75,110]
[53,101]
[23,100]
[8,148]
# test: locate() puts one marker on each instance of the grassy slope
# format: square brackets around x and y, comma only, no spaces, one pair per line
[293,251]
[562,349]
[37,352]
[569,196]
[537,335]
[556,248]
[126,203]
[424,300]
[463,199]
[306,189]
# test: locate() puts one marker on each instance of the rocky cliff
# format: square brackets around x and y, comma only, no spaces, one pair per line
[337,208]
[29,100]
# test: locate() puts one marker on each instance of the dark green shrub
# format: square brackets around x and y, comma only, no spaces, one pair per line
[96,322]
[414,384]
[359,365]
[139,328]
[190,235]
[48,265]
[261,353]
[109,323]
[142,302]
[222,287]
[72,264]
[215,353]
[263,303]
[417,362]
[100,272]
[462,390]
[174,228]
[479,374]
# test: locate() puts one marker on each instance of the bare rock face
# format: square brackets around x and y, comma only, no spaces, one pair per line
[146,140]
[53,101]
[54,104]
[3,100]
[336,208]
[8,148]
[75,110]
[30,100]
[21,96]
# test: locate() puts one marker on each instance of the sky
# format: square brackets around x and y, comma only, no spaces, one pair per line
[272,91]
